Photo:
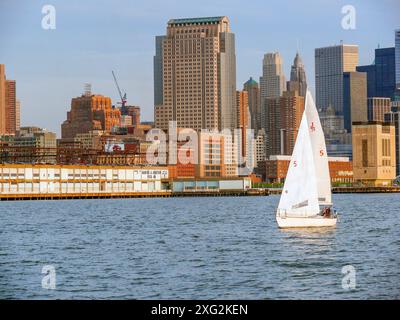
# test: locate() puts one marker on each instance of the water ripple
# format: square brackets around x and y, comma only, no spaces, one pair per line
[196,248]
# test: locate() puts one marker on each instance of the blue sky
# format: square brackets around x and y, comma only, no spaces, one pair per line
[94,37]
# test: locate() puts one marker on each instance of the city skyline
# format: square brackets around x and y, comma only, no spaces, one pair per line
[56,67]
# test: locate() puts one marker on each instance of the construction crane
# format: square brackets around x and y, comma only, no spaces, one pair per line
[123,97]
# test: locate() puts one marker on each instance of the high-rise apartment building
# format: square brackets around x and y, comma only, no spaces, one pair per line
[2,100]
[354,98]
[11,107]
[374,153]
[283,121]
[272,81]
[195,65]
[260,152]
[298,81]
[90,112]
[253,91]
[9,112]
[330,64]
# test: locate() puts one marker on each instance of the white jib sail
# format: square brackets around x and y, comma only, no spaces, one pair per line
[300,195]
[319,151]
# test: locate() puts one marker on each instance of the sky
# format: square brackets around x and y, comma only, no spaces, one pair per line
[94,37]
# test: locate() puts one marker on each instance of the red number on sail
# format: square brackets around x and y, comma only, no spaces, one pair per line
[295,163]
[321,153]
[312,127]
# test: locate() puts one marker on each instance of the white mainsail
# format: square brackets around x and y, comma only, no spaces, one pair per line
[300,195]
[319,151]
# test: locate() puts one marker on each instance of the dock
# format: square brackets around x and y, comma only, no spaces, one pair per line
[354,189]
[125,195]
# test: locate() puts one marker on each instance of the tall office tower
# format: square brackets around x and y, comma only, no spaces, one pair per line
[381,75]
[11,106]
[243,118]
[158,72]
[90,112]
[195,64]
[385,72]
[371,78]
[283,121]
[330,63]
[354,98]
[297,80]
[253,91]
[377,108]
[2,100]
[397,46]
[272,82]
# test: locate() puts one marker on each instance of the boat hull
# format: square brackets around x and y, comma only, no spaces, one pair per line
[303,222]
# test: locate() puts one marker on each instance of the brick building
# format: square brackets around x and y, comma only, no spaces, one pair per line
[340,169]
[90,112]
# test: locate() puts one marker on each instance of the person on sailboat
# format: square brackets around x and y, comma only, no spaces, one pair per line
[326,212]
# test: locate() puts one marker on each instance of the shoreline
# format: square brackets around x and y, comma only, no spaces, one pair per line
[170,194]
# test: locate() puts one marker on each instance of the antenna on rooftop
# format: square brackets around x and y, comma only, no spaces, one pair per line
[87,89]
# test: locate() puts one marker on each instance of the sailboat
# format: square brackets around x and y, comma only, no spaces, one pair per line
[306,198]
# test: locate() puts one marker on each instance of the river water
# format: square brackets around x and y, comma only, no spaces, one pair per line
[197,248]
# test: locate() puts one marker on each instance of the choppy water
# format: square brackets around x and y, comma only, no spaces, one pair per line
[196,248]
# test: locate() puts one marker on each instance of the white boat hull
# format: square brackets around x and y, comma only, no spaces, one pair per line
[305,222]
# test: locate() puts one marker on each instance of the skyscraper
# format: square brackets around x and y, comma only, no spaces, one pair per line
[297,80]
[370,70]
[354,98]
[242,102]
[330,63]
[2,100]
[195,64]
[9,115]
[397,53]
[253,91]
[272,82]
[11,107]
[283,121]
[381,75]
[158,72]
